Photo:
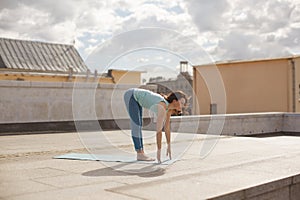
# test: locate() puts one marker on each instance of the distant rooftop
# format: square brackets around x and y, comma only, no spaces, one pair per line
[248,60]
[33,56]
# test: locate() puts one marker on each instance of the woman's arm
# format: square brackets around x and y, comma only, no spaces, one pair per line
[161,113]
[168,128]
[168,133]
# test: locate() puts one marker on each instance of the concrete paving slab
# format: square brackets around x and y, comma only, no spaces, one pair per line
[70,166]
[30,173]
[91,192]
[280,166]
[169,189]
[22,187]
[70,180]
[215,181]
[23,145]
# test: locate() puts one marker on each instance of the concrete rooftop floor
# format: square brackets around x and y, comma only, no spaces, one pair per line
[235,168]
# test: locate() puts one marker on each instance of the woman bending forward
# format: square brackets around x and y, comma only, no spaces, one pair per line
[137,99]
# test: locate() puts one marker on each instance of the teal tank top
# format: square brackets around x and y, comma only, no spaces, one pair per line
[148,99]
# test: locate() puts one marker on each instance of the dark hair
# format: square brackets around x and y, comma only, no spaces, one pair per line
[175,96]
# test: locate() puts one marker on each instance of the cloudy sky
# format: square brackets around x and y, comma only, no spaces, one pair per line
[225,30]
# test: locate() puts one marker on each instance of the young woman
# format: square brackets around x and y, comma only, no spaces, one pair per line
[137,99]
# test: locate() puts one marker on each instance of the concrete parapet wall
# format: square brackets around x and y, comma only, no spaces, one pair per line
[33,105]
[238,124]
[25,101]
[291,122]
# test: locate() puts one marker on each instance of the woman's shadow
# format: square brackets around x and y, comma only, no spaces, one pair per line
[152,170]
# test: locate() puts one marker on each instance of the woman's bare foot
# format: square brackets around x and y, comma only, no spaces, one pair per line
[143,157]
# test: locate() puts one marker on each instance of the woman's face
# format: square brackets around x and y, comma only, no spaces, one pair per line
[179,104]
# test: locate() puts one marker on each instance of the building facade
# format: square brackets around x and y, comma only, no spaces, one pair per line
[183,82]
[269,85]
[24,60]
[38,89]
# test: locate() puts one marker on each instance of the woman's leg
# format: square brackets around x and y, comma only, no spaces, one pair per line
[136,121]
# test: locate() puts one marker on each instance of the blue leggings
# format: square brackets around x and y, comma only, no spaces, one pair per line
[136,119]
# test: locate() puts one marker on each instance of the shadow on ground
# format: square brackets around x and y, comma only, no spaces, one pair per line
[148,171]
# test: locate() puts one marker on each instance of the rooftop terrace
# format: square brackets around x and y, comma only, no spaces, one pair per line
[236,168]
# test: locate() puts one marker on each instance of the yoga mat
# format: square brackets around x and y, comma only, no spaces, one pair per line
[110,158]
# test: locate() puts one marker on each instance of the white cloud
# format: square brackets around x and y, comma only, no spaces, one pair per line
[240,29]
[226,30]
[31,22]
[92,40]
[88,50]
[208,15]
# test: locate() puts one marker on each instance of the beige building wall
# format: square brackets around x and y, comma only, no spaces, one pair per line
[297,84]
[250,86]
[125,77]
[117,76]
[35,77]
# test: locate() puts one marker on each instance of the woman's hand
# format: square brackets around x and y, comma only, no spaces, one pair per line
[158,155]
[169,151]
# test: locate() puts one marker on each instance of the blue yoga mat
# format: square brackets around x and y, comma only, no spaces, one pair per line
[110,158]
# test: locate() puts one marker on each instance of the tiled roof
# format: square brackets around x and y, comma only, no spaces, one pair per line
[23,55]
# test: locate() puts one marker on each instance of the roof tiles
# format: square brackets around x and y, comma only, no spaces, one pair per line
[40,56]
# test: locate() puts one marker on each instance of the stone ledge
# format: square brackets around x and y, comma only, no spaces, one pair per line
[296,179]
[235,125]
[291,122]
[277,189]
[239,124]
[268,187]
[295,191]
[230,116]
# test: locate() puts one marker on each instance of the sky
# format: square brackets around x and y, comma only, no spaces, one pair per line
[156,34]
